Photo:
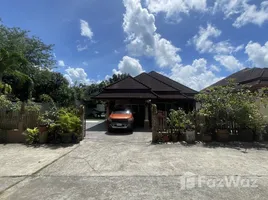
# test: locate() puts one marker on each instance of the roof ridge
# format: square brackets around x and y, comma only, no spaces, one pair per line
[158,80]
[163,82]
[145,85]
[173,81]
[117,81]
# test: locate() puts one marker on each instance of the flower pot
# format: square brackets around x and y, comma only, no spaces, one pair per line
[66,138]
[265,137]
[233,138]
[42,128]
[43,137]
[222,135]
[246,135]
[207,138]
[181,137]
[190,136]
[175,137]
[198,137]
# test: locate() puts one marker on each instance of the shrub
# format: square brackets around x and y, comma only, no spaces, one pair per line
[5,88]
[229,106]
[32,135]
[66,123]
[8,105]
[176,119]
[32,107]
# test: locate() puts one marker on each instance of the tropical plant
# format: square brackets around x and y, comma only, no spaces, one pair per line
[67,123]
[9,60]
[176,119]
[5,88]
[32,135]
[6,104]
[232,105]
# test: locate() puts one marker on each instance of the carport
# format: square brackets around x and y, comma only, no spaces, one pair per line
[139,92]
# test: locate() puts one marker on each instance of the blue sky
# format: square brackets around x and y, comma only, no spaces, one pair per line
[195,42]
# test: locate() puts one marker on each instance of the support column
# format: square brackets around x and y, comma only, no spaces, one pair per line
[146,119]
[107,109]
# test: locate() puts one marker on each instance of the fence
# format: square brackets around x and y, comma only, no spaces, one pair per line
[10,120]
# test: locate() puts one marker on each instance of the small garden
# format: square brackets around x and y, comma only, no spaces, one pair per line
[39,123]
[226,113]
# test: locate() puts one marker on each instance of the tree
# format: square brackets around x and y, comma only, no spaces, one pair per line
[225,106]
[32,48]
[10,60]
[22,85]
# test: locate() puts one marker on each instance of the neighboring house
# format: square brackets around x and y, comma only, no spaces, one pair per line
[137,92]
[255,78]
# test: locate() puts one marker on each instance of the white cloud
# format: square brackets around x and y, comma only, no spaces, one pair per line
[77,75]
[204,44]
[244,12]
[116,52]
[81,47]
[107,77]
[173,8]
[196,76]
[85,29]
[61,63]
[257,54]
[142,39]
[215,68]
[202,40]
[130,66]
[85,63]
[229,62]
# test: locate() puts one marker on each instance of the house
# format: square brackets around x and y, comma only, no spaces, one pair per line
[137,92]
[253,77]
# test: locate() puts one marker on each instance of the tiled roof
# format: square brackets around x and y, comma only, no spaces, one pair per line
[153,83]
[146,86]
[249,76]
[182,88]
[127,83]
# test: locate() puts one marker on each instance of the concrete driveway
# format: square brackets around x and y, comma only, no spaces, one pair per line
[127,166]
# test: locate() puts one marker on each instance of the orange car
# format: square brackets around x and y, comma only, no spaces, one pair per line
[121,118]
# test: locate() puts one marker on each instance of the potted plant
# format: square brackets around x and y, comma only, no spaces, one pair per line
[31,135]
[175,135]
[190,128]
[176,124]
[43,123]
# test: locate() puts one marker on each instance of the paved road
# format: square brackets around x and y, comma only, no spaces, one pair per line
[127,166]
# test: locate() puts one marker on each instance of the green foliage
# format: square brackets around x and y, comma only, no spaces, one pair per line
[32,135]
[32,107]
[66,123]
[69,122]
[178,119]
[6,104]
[224,106]
[5,88]
[49,117]
[10,60]
[22,85]
[32,48]
[47,99]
